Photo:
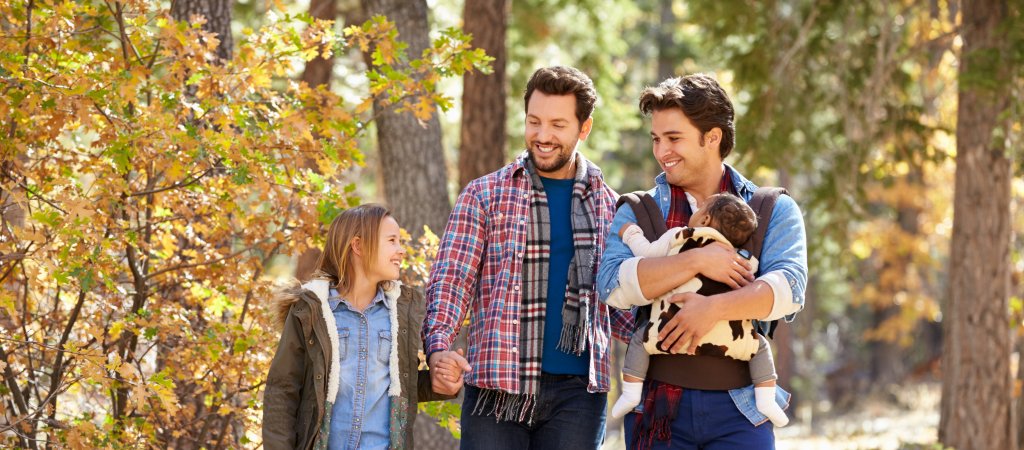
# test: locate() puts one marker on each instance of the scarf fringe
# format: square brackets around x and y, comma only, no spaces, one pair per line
[505,406]
[573,339]
[660,407]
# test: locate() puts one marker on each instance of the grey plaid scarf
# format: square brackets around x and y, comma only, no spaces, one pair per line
[579,293]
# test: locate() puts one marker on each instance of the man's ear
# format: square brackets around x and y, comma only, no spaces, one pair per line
[713,138]
[586,127]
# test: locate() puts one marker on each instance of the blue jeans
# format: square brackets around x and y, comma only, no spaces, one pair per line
[709,420]
[567,417]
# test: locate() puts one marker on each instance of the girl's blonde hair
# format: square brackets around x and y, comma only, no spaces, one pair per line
[337,262]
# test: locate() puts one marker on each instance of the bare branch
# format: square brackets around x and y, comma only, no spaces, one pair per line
[187,182]
[205,263]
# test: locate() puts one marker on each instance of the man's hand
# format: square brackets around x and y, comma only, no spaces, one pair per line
[695,318]
[722,263]
[446,371]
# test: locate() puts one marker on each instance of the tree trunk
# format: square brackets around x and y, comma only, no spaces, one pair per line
[415,177]
[316,73]
[667,47]
[318,70]
[887,363]
[218,20]
[482,143]
[977,389]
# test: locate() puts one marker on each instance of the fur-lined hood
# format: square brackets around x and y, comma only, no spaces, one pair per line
[288,293]
[282,299]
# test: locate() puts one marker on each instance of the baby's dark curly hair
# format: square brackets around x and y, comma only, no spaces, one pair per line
[732,217]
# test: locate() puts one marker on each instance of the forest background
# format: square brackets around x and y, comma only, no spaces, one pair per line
[163,163]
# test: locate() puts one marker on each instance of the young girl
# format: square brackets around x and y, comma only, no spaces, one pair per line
[345,372]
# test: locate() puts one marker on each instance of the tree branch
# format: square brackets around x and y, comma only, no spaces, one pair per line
[180,184]
[204,263]
[58,363]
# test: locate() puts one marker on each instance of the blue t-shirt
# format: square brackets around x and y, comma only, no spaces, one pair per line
[556,361]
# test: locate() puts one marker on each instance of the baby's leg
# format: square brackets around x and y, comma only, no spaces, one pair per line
[633,372]
[762,374]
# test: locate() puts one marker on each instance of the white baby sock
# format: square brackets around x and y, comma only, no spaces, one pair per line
[630,397]
[764,397]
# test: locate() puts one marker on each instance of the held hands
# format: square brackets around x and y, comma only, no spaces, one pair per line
[446,371]
[695,318]
[722,263]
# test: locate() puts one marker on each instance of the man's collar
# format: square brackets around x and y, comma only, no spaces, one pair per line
[742,185]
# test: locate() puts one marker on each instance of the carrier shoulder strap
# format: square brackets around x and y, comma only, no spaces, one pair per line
[648,215]
[763,204]
[652,222]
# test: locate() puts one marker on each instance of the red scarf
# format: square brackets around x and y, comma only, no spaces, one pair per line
[679,210]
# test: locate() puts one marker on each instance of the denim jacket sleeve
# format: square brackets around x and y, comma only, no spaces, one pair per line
[617,253]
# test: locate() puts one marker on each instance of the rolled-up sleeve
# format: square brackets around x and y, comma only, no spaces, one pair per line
[616,277]
[784,259]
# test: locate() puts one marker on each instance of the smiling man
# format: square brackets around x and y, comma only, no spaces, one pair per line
[520,255]
[692,132]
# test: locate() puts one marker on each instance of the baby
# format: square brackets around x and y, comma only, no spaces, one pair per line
[723,218]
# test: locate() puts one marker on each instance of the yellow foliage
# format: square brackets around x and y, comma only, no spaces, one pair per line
[157,183]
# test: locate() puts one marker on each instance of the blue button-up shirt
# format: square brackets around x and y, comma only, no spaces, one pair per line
[783,261]
[359,419]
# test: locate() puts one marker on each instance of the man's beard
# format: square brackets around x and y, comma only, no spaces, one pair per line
[561,158]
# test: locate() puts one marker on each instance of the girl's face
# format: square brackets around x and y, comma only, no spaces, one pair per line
[390,252]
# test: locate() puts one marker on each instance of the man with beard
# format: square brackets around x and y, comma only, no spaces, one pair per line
[520,255]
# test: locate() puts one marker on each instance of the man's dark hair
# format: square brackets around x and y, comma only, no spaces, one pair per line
[732,217]
[562,80]
[701,99]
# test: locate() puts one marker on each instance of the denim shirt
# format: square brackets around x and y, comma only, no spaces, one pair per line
[784,251]
[359,419]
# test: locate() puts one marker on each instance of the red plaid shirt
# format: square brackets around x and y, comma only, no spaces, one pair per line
[479,269]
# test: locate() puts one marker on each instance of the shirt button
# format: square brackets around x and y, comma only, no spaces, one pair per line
[515,349]
[522,221]
[520,254]
[516,287]
[310,342]
[498,216]
[515,321]
[526,195]
[318,376]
